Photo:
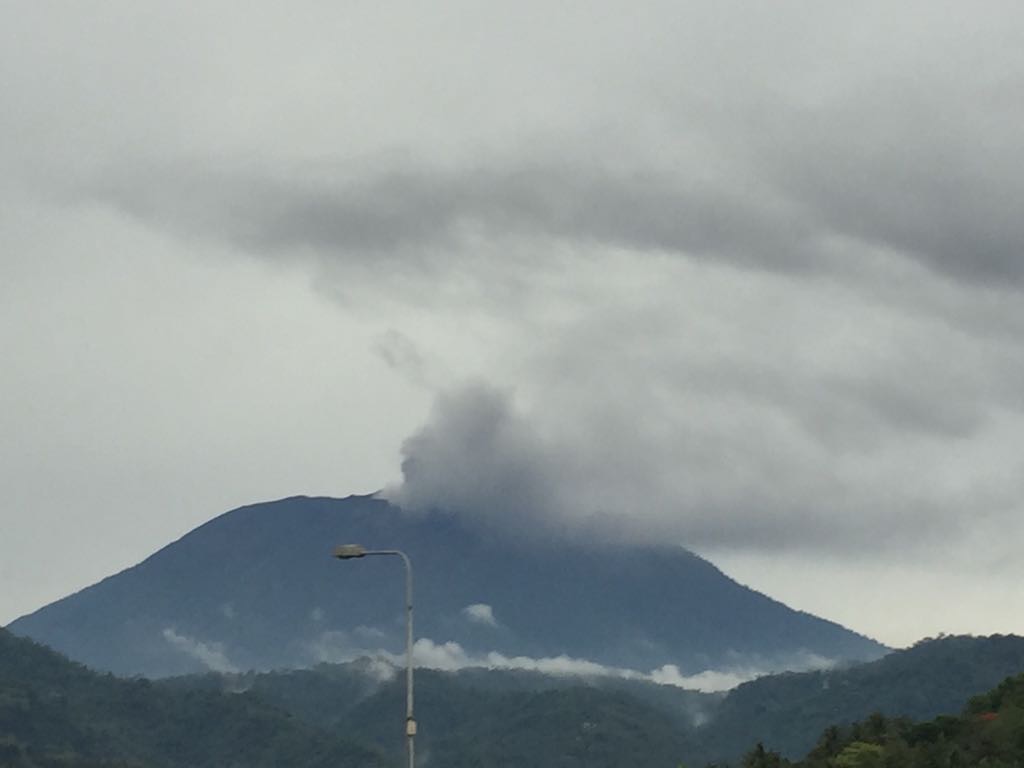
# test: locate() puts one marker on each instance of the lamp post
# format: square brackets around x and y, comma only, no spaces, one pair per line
[353,551]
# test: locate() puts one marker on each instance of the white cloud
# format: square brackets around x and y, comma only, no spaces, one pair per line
[742,671]
[450,656]
[708,680]
[210,655]
[480,613]
[368,634]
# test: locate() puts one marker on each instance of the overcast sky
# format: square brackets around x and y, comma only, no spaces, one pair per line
[748,276]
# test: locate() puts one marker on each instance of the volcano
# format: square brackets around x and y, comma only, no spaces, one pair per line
[257,588]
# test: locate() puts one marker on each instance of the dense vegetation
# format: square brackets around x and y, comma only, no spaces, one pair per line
[488,718]
[464,725]
[57,713]
[788,711]
[989,734]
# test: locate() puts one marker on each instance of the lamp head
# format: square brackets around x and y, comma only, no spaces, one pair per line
[349,551]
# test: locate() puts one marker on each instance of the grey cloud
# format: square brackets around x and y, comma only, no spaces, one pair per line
[931,185]
[781,212]
[851,371]
[416,211]
[725,486]
[866,125]
[477,457]
[401,354]
[901,141]
[837,423]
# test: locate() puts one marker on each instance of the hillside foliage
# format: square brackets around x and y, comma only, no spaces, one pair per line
[988,734]
[54,712]
[787,711]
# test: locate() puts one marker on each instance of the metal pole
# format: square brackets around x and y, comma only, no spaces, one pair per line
[410,721]
[351,551]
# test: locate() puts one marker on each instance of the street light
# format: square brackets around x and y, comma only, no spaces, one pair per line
[353,551]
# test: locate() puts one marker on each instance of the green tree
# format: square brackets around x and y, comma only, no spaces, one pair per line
[759,757]
[861,754]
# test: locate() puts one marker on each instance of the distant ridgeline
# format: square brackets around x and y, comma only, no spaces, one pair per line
[55,712]
[256,588]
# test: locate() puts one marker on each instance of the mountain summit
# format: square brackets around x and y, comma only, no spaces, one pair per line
[257,588]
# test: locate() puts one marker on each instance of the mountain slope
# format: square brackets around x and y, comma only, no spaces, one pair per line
[256,588]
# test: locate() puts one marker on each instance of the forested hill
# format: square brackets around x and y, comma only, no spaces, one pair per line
[988,734]
[787,711]
[481,717]
[488,716]
[55,712]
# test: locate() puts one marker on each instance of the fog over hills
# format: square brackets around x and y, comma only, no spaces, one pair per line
[256,588]
[786,712]
[55,711]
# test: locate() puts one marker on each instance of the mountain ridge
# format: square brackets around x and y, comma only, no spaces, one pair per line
[256,588]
